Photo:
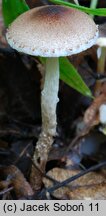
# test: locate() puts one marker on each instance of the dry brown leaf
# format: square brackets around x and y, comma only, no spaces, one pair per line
[91,115]
[17,180]
[89,186]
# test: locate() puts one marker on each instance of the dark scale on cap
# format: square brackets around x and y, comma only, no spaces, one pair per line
[53,11]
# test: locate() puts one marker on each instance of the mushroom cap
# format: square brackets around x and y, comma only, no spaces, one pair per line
[52,31]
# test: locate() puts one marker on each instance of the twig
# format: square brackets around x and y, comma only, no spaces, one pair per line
[22,153]
[17,133]
[6,191]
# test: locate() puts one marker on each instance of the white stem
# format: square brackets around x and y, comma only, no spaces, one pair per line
[49,100]
[76,2]
[50,96]
[101,61]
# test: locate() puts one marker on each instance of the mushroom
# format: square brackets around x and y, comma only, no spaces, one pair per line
[102,114]
[101,51]
[51,31]
[101,54]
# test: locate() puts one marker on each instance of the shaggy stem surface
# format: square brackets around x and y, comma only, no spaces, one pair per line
[49,100]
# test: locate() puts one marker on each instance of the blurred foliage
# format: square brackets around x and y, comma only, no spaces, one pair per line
[13,8]
[71,77]
[97,11]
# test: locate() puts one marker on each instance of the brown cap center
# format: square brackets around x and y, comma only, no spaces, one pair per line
[53,12]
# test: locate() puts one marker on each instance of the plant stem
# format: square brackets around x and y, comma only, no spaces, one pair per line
[76,2]
[93,5]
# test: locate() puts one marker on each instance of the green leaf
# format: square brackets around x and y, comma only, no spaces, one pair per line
[71,77]
[13,8]
[97,11]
